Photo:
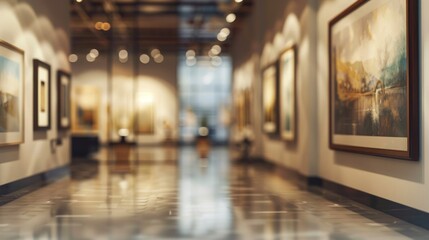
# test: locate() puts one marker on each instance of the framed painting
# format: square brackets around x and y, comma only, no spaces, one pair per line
[42,95]
[145,124]
[287,73]
[374,79]
[63,102]
[270,100]
[11,94]
[240,110]
[247,112]
[85,109]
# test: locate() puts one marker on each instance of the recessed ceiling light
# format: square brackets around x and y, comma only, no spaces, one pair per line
[231,17]
[216,50]
[238,1]
[73,58]
[79,1]
[190,53]
[98,25]
[144,58]
[159,58]
[155,52]
[94,53]
[105,26]
[89,58]
[123,56]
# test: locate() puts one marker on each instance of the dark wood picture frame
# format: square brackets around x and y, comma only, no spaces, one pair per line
[37,64]
[292,136]
[412,92]
[11,53]
[63,100]
[275,132]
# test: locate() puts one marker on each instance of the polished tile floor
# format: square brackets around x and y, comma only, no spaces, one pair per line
[184,196]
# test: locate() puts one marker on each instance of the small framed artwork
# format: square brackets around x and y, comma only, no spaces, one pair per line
[287,73]
[270,100]
[42,95]
[85,109]
[11,94]
[63,91]
[145,124]
[374,79]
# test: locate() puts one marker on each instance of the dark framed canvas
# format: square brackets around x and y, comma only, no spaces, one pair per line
[270,101]
[42,95]
[287,73]
[374,79]
[11,94]
[63,102]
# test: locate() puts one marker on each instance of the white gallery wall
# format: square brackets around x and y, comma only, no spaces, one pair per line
[42,31]
[267,31]
[128,80]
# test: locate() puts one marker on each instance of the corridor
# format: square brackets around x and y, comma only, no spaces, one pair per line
[172,193]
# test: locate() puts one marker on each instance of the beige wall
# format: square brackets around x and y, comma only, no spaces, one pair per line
[42,31]
[266,32]
[269,31]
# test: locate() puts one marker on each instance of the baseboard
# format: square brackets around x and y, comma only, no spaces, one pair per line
[16,189]
[319,185]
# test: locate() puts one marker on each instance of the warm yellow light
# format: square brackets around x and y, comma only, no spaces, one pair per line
[144,58]
[238,1]
[190,53]
[94,53]
[155,52]
[73,58]
[79,1]
[221,37]
[216,50]
[105,26]
[159,58]
[89,58]
[98,25]
[231,18]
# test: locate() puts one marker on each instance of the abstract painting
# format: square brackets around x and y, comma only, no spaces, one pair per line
[85,109]
[42,95]
[287,93]
[11,94]
[373,79]
[269,100]
[63,103]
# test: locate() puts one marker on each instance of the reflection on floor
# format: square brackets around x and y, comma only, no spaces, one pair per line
[193,199]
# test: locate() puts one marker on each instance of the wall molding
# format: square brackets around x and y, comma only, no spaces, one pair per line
[16,189]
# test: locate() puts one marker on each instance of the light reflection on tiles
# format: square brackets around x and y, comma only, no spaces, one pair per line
[160,200]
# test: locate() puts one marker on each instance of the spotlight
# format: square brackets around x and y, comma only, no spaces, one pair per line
[231,18]
[73,58]
[144,58]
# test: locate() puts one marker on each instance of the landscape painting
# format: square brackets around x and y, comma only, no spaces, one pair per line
[269,99]
[287,94]
[42,93]
[370,77]
[85,109]
[11,94]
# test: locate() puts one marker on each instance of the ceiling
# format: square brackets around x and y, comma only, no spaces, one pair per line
[170,25]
